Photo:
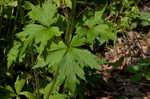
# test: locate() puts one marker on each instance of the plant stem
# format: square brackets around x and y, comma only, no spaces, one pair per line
[37,84]
[53,85]
[70,24]
[1,15]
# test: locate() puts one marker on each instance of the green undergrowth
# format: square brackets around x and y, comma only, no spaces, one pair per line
[48,47]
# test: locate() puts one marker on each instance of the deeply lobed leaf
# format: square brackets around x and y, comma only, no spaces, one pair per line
[13,54]
[46,14]
[93,28]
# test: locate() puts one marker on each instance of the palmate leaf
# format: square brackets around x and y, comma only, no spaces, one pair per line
[13,54]
[88,35]
[69,71]
[39,34]
[45,15]
[96,19]
[71,63]
[93,28]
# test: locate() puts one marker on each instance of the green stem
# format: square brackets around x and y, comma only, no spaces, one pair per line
[19,12]
[53,85]
[70,24]
[37,84]
[9,22]
[68,36]
[40,3]
[1,15]
[17,15]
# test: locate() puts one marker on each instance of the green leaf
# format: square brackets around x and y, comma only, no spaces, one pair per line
[88,35]
[10,89]
[96,19]
[40,63]
[19,84]
[103,62]
[105,33]
[56,53]
[78,40]
[13,3]
[147,75]
[58,2]
[17,97]
[39,34]
[85,58]
[58,96]
[93,28]
[144,63]
[5,97]
[55,94]
[69,70]
[137,77]
[27,94]
[133,69]
[48,87]
[121,97]
[84,35]
[71,63]
[145,18]
[45,15]
[13,54]
[118,62]
[68,3]
[7,91]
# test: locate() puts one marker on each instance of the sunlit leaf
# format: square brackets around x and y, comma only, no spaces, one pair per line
[27,94]
[44,15]
[133,69]
[147,75]
[68,3]
[71,63]
[19,84]
[13,54]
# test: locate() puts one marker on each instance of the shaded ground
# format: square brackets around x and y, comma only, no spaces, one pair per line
[117,83]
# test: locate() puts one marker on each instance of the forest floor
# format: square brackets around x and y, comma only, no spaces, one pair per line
[118,83]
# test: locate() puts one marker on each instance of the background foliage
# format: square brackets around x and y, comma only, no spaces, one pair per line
[48,48]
